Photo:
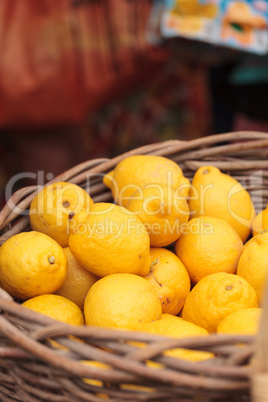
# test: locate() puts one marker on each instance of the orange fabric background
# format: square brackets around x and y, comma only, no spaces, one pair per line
[62,59]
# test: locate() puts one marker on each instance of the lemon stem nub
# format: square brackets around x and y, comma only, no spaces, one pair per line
[229,287]
[66,204]
[51,259]
[71,215]
[154,263]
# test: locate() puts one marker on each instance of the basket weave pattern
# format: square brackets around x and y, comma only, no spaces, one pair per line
[33,369]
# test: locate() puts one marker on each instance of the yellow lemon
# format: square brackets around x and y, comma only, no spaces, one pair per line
[253,263]
[121,301]
[242,322]
[53,206]
[217,194]
[111,240]
[56,307]
[215,297]
[78,281]
[162,210]
[135,171]
[260,223]
[170,279]
[176,327]
[31,264]
[208,245]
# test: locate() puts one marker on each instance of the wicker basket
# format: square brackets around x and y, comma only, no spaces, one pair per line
[33,369]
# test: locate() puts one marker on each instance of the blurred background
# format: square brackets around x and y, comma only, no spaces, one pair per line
[83,79]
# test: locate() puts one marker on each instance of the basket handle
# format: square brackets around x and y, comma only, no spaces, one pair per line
[259,387]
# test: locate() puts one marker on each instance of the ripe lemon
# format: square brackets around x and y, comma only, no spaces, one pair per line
[56,307]
[135,171]
[176,327]
[121,301]
[31,264]
[78,281]
[260,223]
[215,297]
[111,240]
[217,194]
[242,322]
[208,245]
[253,263]
[162,210]
[53,206]
[170,279]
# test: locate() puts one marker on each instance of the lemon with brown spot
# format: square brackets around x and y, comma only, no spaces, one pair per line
[110,240]
[215,297]
[56,307]
[123,301]
[170,279]
[135,171]
[54,205]
[31,264]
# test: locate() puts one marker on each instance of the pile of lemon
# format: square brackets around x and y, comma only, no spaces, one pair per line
[168,256]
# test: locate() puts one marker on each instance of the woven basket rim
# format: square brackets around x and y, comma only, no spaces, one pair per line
[240,154]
